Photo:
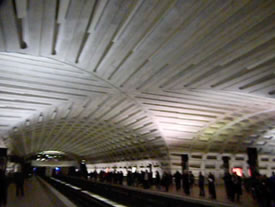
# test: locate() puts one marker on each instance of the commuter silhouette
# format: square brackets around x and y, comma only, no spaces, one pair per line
[166,180]
[157,180]
[211,186]
[177,177]
[19,180]
[237,187]
[146,180]
[228,185]
[186,183]
[3,184]
[201,184]
[191,180]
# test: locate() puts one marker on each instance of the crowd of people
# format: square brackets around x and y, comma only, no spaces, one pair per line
[260,187]
[183,181]
[233,186]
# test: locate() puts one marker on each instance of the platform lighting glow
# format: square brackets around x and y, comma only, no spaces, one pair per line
[179,128]
[57,169]
[238,171]
[52,152]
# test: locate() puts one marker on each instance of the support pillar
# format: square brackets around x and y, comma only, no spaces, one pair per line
[184,162]
[226,164]
[253,161]
[150,168]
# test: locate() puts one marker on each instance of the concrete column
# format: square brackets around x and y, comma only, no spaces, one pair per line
[150,168]
[225,160]
[184,162]
[253,161]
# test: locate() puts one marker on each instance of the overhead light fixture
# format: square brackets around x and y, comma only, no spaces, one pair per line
[53,115]
[40,118]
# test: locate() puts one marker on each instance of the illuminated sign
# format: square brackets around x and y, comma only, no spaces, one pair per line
[238,171]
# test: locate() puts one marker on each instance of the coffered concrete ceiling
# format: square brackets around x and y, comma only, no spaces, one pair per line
[121,80]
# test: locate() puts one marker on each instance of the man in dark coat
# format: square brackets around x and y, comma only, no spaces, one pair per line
[191,180]
[185,183]
[19,181]
[211,186]
[177,177]
[3,188]
[157,182]
[228,185]
[237,187]
[166,181]
[201,184]
[146,180]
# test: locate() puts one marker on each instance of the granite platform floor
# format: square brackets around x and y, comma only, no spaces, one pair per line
[36,195]
[246,199]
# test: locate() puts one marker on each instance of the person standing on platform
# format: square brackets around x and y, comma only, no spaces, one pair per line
[129,178]
[185,183]
[146,180]
[157,180]
[3,184]
[166,181]
[237,187]
[201,184]
[19,180]
[150,179]
[177,177]
[191,180]
[211,185]
[228,185]
[272,186]
[120,177]
[95,176]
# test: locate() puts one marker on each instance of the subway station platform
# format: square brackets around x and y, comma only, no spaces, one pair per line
[245,201]
[40,193]
[37,194]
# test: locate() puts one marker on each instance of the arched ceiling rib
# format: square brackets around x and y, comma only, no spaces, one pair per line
[60,107]
[204,120]
[190,74]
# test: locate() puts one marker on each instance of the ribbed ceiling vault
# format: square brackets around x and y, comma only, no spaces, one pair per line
[122,80]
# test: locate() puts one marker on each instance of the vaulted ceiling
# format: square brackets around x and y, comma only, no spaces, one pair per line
[122,80]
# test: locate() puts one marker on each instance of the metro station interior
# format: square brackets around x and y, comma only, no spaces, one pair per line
[95,89]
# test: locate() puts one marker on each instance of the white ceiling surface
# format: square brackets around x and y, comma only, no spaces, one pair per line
[121,80]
